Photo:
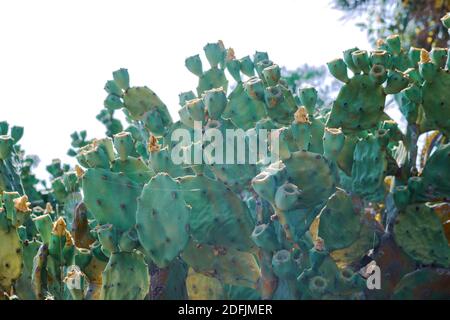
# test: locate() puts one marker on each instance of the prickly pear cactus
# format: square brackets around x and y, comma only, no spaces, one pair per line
[331,195]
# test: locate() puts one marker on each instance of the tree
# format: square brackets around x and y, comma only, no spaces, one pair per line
[315,76]
[416,21]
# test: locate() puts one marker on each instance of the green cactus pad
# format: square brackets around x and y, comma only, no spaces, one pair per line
[369,168]
[10,176]
[424,284]
[358,106]
[10,254]
[211,79]
[280,104]
[242,110]
[241,293]
[339,223]
[311,173]
[228,265]
[111,197]
[162,219]
[218,217]
[368,239]
[436,100]
[284,265]
[134,168]
[125,277]
[266,183]
[161,161]
[420,233]
[265,238]
[296,222]
[435,178]
[139,100]
[203,287]
[23,284]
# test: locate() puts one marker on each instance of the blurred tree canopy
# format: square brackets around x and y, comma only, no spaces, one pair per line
[416,21]
[315,76]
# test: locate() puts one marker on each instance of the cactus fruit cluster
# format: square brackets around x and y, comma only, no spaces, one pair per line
[350,192]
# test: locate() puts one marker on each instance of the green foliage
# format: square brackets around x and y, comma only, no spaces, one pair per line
[416,21]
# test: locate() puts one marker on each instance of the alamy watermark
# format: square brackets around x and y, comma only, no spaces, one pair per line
[208,145]
[373,273]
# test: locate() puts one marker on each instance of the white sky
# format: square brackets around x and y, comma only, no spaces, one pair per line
[55,56]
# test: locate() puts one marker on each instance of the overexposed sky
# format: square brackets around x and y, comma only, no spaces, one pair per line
[55,56]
